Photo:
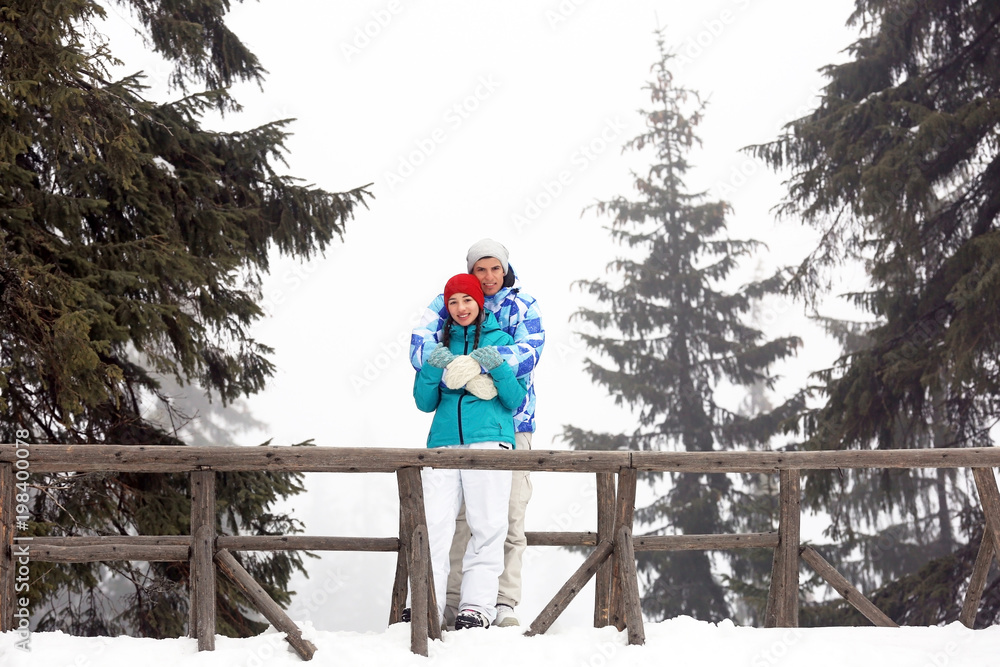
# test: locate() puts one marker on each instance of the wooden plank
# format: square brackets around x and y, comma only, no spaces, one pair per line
[108,540]
[202,557]
[705,542]
[165,458]
[8,566]
[108,553]
[275,615]
[989,497]
[788,543]
[846,590]
[630,586]
[230,542]
[306,543]
[419,563]
[605,531]
[776,591]
[980,571]
[562,539]
[400,587]
[624,513]
[708,462]
[411,512]
[570,589]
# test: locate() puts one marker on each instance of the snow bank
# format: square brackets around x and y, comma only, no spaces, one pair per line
[674,643]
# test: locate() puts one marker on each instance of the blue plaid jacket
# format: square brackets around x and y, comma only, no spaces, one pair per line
[519,316]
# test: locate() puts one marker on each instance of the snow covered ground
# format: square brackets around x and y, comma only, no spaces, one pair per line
[679,642]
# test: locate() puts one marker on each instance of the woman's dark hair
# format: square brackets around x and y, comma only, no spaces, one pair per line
[446,329]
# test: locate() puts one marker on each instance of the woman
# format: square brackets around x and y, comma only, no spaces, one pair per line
[474,410]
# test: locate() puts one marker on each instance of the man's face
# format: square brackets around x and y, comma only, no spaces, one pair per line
[489,272]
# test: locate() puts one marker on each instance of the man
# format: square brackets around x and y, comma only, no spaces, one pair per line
[518,315]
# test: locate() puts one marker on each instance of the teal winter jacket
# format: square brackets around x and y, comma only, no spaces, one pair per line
[461,418]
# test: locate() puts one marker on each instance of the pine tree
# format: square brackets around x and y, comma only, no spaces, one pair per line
[898,168]
[134,242]
[668,337]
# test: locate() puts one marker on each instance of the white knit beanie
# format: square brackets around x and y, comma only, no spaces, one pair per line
[487,248]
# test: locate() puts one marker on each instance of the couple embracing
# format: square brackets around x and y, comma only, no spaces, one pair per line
[475,352]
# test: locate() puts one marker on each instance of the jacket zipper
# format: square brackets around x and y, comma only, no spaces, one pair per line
[461,437]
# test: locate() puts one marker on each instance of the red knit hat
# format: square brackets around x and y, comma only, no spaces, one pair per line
[466,284]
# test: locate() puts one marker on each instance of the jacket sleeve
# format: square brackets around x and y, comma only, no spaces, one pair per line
[426,391]
[424,338]
[529,337]
[510,390]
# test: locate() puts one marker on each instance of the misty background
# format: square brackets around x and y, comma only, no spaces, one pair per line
[501,120]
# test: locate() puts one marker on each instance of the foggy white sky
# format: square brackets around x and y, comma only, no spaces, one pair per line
[501,119]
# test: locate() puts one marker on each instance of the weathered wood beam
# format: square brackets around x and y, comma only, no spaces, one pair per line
[776,591]
[989,497]
[8,565]
[203,558]
[420,562]
[788,542]
[630,586]
[168,458]
[570,589]
[265,605]
[559,539]
[977,581]
[705,462]
[109,552]
[116,543]
[846,590]
[705,542]
[605,532]
[624,513]
[305,543]
[412,515]
[109,540]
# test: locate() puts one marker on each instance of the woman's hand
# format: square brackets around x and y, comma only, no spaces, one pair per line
[440,357]
[487,356]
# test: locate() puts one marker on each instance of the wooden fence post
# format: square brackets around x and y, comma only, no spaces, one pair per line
[783,596]
[271,610]
[420,561]
[400,585]
[411,515]
[7,564]
[989,497]
[203,558]
[605,531]
[846,590]
[577,581]
[977,581]
[624,512]
[630,586]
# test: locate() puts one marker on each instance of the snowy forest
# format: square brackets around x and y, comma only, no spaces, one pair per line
[140,231]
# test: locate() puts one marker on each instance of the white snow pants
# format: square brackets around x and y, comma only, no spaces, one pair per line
[486,494]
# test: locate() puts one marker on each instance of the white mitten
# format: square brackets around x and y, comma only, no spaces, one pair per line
[461,369]
[482,387]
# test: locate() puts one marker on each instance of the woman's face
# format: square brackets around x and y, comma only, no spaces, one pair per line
[463,308]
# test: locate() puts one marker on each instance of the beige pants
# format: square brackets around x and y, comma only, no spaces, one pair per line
[513,548]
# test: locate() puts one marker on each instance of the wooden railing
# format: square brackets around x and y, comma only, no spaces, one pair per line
[612,561]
